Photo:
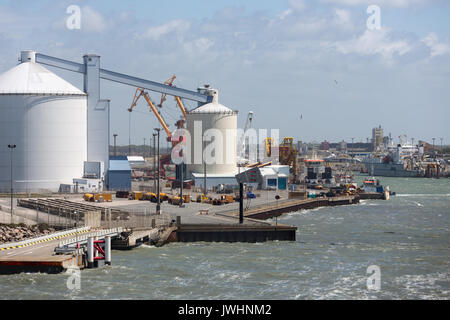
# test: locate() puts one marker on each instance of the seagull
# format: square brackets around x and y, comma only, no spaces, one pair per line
[335,81]
[301,116]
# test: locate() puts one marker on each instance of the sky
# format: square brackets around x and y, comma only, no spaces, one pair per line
[314,70]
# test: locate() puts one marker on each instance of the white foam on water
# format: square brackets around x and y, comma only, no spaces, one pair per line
[146,246]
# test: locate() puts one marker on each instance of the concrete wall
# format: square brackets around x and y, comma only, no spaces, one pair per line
[92,219]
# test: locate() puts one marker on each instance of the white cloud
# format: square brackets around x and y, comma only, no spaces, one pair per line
[373,42]
[157,32]
[343,18]
[92,21]
[297,5]
[437,48]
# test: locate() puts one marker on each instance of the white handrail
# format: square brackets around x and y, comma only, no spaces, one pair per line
[83,238]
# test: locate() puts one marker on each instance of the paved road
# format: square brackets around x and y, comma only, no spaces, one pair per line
[43,249]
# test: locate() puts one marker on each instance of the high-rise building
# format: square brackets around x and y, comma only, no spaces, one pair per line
[377,136]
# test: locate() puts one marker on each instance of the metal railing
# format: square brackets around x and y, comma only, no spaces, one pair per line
[83,238]
[140,219]
[43,238]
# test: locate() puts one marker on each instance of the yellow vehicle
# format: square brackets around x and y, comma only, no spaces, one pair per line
[174,200]
[202,198]
[107,197]
[88,197]
[149,196]
[186,198]
[228,198]
[98,196]
[136,195]
[163,196]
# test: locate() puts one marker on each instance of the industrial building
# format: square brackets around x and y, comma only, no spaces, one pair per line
[119,174]
[55,127]
[46,118]
[213,121]
[62,133]
[266,177]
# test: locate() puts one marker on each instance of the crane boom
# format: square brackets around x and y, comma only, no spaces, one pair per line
[248,124]
[141,92]
[169,83]
[180,104]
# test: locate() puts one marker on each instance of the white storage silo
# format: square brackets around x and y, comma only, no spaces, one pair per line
[45,117]
[224,120]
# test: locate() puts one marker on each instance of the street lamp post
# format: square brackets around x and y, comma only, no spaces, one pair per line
[181,185]
[11,147]
[204,165]
[154,161]
[115,149]
[158,200]
[434,154]
[442,150]
[144,149]
[352,148]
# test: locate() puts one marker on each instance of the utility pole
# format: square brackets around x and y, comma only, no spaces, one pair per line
[433,147]
[204,165]
[154,161]
[115,149]
[144,149]
[181,185]
[352,148]
[158,203]
[11,146]
[129,134]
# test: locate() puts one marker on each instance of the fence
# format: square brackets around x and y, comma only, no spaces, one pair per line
[66,220]
[142,218]
[61,220]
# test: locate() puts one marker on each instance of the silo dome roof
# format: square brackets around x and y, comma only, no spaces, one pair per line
[32,78]
[212,108]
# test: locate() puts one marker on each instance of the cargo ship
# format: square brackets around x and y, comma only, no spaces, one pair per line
[391,165]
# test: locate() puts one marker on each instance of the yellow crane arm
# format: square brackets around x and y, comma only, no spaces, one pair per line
[140,92]
[180,104]
[137,95]
[168,82]
[160,119]
[268,146]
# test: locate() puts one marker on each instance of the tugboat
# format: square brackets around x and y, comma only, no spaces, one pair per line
[372,189]
[372,185]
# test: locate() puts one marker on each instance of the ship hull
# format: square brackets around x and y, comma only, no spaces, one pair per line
[390,170]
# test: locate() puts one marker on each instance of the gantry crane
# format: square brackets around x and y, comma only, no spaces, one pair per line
[288,156]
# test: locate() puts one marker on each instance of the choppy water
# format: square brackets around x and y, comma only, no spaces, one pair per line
[408,237]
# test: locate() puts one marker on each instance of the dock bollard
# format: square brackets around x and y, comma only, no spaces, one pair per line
[95,255]
[108,250]
[90,249]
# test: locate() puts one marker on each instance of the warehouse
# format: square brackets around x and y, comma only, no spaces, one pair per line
[119,174]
